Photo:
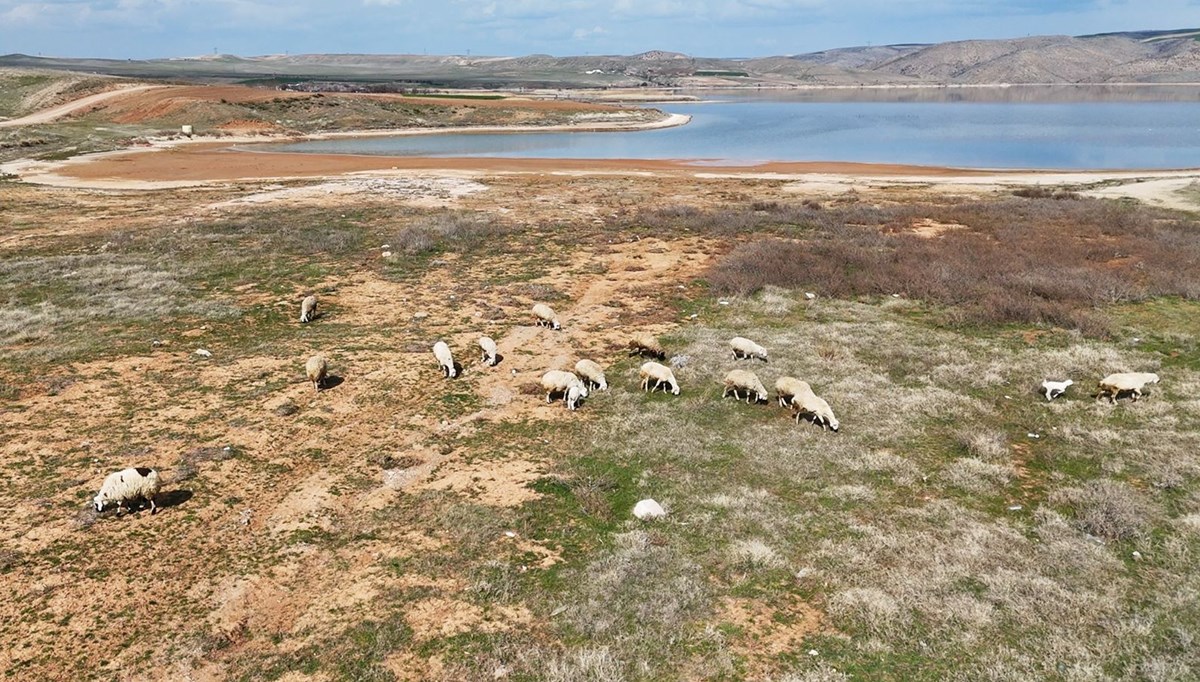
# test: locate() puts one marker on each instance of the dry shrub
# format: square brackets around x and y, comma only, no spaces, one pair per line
[585,665]
[986,445]
[1028,261]
[1112,510]
[445,232]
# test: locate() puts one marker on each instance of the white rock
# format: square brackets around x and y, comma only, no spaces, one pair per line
[648,509]
[203,353]
[809,295]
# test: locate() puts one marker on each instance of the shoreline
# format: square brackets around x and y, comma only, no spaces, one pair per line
[206,161]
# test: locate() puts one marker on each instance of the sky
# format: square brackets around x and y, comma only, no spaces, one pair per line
[142,29]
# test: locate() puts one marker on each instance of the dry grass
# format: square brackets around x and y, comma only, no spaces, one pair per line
[1037,260]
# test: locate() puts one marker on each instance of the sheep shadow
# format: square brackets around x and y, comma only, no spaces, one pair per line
[331,381]
[499,359]
[172,498]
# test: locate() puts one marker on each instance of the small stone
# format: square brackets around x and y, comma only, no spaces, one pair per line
[809,295]
[812,652]
[203,353]
[1015,507]
[420,316]
[648,509]
[1137,556]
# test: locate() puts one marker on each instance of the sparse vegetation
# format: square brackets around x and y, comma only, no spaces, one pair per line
[397,524]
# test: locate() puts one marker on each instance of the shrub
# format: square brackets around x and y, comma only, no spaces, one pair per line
[1027,261]
[445,231]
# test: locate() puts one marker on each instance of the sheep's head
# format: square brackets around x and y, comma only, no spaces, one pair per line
[100,500]
[554,324]
[833,423]
[674,388]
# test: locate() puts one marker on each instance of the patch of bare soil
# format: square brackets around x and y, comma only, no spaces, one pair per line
[764,632]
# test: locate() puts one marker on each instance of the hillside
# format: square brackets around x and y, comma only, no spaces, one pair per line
[1142,56]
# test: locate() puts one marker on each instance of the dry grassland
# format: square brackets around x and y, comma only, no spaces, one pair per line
[401,526]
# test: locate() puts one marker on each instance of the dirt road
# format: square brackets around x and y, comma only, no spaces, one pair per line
[53,113]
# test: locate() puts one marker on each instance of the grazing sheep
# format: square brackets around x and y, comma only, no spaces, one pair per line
[317,369]
[742,380]
[591,373]
[308,308]
[128,485]
[566,383]
[442,352]
[647,345]
[745,348]
[1125,382]
[546,317]
[660,374]
[787,388]
[489,350]
[820,411]
[575,393]
[1053,389]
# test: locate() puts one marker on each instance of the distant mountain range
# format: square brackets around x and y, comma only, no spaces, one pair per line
[1171,56]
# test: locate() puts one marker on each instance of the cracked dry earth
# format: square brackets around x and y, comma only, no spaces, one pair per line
[233,564]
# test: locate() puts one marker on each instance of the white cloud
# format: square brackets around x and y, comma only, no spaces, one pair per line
[582,33]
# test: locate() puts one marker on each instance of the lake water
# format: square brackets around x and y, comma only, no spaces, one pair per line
[1017,133]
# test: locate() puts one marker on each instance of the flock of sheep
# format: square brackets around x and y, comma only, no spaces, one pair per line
[138,484]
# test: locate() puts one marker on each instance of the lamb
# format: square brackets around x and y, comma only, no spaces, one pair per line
[646,345]
[128,485]
[442,352]
[308,308]
[591,373]
[317,369]
[742,380]
[787,388]
[1053,389]
[489,350]
[660,374]
[745,348]
[817,408]
[566,383]
[546,317]
[1125,382]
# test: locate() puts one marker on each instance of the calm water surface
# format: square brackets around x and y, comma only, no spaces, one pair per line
[746,130]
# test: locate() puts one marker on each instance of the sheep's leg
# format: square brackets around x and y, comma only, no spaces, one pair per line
[153,507]
[548,393]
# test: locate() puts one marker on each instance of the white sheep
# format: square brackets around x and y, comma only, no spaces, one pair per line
[489,350]
[809,404]
[660,374]
[128,485]
[308,308]
[566,383]
[591,373]
[317,369]
[743,380]
[645,344]
[1125,382]
[442,352]
[575,393]
[545,316]
[745,348]
[786,388]
[1053,388]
